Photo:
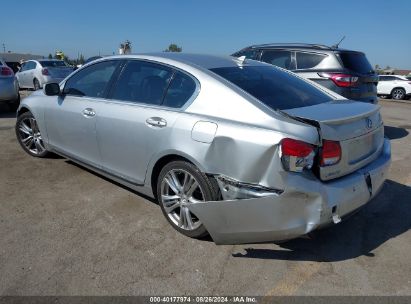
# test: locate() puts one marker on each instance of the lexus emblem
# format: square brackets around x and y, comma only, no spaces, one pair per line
[369,123]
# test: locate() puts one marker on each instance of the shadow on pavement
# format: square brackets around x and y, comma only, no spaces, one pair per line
[386,217]
[394,132]
[6,113]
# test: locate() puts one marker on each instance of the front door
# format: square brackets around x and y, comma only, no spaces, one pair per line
[71,120]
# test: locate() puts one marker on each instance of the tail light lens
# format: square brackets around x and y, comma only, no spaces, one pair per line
[296,155]
[330,153]
[5,71]
[45,72]
[341,80]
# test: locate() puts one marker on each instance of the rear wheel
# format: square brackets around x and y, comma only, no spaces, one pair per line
[29,136]
[398,94]
[180,183]
[36,84]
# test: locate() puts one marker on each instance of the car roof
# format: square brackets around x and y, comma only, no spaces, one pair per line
[193,60]
[302,46]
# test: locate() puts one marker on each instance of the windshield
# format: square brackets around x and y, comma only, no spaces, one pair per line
[52,63]
[356,62]
[275,88]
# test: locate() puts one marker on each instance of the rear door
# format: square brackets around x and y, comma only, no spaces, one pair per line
[71,118]
[143,107]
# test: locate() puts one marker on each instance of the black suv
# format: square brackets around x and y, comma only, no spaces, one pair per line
[345,72]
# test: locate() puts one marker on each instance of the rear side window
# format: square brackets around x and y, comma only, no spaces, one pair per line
[308,60]
[182,87]
[356,62]
[30,65]
[281,59]
[277,89]
[91,81]
[142,82]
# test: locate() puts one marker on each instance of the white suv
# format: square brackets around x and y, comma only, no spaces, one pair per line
[398,87]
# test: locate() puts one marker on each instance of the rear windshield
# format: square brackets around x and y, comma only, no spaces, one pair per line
[53,63]
[356,62]
[277,89]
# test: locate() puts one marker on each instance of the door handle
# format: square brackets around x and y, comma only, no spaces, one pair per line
[89,112]
[156,122]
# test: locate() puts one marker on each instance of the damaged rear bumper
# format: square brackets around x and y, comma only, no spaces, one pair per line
[304,205]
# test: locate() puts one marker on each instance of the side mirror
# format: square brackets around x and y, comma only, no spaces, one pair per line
[52,89]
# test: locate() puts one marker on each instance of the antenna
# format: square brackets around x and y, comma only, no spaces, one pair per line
[338,44]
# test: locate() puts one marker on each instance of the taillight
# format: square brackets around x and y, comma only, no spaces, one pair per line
[341,80]
[330,153]
[296,155]
[45,71]
[5,71]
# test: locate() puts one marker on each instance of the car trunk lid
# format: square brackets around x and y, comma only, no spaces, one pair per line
[356,126]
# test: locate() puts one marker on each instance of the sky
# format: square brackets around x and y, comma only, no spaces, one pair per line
[380,28]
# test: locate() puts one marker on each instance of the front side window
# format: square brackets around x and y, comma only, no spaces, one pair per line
[182,87]
[91,81]
[277,89]
[143,82]
[308,60]
[281,59]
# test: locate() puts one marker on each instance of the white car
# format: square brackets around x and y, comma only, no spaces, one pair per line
[33,74]
[398,87]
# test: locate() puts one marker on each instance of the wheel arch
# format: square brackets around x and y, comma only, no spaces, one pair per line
[154,170]
[22,110]
[402,88]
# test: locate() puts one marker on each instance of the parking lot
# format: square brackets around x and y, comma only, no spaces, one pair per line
[67,231]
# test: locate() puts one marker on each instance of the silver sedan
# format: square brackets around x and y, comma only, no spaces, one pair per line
[9,92]
[239,149]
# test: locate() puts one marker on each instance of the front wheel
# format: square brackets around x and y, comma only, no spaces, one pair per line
[398,94]
[29,136]
[180,183]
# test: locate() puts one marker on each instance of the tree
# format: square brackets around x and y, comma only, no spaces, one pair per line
[81,60]
[173,48]
[50,56]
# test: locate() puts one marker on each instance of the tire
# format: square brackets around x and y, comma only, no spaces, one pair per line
[192,186]
[36,84]
[14,105]
[29,136]
[398,94]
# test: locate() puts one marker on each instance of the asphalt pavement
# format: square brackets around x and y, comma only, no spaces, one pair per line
[67,231]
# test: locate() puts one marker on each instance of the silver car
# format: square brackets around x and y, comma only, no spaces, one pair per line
[33,74]
[9,92]
[236,148]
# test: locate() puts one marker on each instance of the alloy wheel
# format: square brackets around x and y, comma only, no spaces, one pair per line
[398,94]
[30,136]
[179,189]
